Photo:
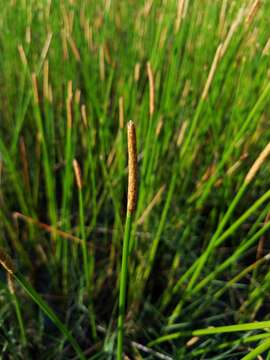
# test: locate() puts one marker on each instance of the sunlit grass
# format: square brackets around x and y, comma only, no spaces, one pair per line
[194,77]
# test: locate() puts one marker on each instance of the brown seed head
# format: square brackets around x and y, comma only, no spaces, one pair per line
[77,172]
[69,112]
[35,88]
[46,79]
[22,55]
[151,89]
[84,116]
[252,11]
[132,167]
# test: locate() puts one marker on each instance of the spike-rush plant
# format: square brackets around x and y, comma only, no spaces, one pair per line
[195,254]
[131,206]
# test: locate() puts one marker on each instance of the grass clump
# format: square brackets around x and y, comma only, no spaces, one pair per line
[193,276]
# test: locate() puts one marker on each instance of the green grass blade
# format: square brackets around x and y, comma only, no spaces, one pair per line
[50,313]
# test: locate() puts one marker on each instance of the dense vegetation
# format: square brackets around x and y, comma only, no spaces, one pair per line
[193,75]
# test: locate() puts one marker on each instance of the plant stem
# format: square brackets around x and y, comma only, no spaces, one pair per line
[123,286]
[88,264]
[19,318]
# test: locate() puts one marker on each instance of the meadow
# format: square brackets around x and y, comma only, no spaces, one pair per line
[193,76]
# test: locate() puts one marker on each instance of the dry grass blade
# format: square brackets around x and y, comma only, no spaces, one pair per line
[137,72]
[212,71]
[180,12]
[46,79]
[22,55]
[77,172]
[181,133]
[232,30]
[151,89]
[35,88]
[74,49]
[252,11]
[46,47]
[48,228]
[152,204]
[257,164]
[121,112]
[6,262]
[266,48]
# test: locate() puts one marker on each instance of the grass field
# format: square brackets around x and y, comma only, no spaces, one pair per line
[194,76]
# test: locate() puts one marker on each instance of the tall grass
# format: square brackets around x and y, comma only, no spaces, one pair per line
[194,76]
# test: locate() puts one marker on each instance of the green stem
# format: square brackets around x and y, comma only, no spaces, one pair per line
[88,264]
[19,318]
[123,286]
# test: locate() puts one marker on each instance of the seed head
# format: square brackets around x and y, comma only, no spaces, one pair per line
[77,172]
[132,167]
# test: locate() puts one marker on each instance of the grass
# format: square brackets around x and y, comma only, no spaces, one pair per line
[194,77]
